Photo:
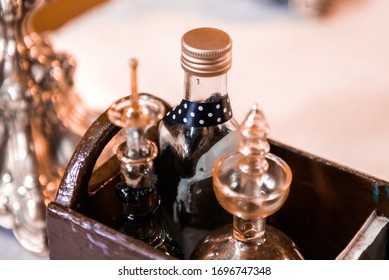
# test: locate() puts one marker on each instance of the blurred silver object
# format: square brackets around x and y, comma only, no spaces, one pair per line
[41,121]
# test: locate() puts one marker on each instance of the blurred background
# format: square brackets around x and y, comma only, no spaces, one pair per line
[318,69]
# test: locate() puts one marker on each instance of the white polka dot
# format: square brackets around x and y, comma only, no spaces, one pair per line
[230,113]
[200,108]
[185,105]
[168,113]
[192,114]
[174,117]
[201,122]
[225,110]
[185,120]
[219,119]
[179,111]
[218,106]
[210,115]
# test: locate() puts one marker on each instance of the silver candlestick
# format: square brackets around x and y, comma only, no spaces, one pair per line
[41,121]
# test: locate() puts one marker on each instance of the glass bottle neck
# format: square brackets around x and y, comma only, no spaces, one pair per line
[249,232]
[205,89]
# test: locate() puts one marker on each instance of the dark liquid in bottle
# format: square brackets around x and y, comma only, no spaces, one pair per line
[185,179]
[141,219]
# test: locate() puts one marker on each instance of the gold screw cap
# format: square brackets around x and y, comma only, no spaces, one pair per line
[206,52]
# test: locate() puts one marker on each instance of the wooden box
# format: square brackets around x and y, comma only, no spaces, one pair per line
[332,212]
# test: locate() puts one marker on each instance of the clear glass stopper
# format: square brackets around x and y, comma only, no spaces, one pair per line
[136,113]
[252,183]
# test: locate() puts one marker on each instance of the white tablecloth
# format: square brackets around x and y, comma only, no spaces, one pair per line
[323,84]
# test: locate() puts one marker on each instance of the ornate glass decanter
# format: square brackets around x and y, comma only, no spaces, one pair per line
[251,185]
[137,190]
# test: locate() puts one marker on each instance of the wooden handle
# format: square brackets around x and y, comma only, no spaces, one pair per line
[80,167]
[74,183]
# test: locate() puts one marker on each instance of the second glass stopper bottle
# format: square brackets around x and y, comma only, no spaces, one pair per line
[251,185]
[137,191]
[194,135]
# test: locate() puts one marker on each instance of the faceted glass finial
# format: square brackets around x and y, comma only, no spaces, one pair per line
[253,145]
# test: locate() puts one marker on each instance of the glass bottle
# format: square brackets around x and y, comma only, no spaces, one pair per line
[137,190]
[194,135]
[251,184]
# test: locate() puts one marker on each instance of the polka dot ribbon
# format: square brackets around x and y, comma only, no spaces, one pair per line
[196,114]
